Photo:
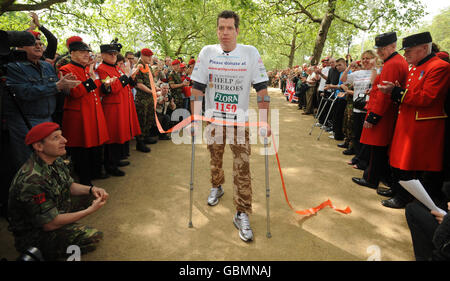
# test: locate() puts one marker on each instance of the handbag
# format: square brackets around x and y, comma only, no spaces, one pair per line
[360,102]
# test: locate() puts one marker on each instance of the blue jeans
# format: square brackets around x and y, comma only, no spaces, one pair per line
[17,132]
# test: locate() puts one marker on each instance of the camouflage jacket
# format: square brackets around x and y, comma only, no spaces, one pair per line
[142,77]
[175,78]
[38,193]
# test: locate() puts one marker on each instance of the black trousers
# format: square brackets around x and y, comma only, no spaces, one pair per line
[358,122]
[422,225]
[125,150]
[433,183]
[113,155]
[87,162]
[378,165]
[338,118]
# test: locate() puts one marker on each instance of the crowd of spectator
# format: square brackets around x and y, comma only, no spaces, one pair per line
[81,90]
[347,99]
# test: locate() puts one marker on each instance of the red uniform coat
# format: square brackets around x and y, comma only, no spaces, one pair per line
[83,123]
[418,142]
[118,106]
[381,107]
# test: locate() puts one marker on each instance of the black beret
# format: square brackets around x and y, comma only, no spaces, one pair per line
[416,39]
[385,39]
[78,46]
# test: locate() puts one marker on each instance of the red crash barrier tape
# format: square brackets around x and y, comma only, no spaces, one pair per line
[187,121]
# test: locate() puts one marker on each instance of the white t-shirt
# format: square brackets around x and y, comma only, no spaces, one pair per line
[322,80]
[361,82]
[228,78]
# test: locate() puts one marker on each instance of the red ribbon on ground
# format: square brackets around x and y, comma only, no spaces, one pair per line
[187,121]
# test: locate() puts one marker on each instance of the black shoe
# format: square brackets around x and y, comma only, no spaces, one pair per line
[385,192]
[164,137]
[123,163]
[140,146]
[116,172]
[348,152]
[363,182]
[150,140]
[343,145]
[394,203]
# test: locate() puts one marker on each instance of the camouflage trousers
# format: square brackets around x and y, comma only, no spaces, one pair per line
[239,141]
[53,244]
[348,124]
[146,113]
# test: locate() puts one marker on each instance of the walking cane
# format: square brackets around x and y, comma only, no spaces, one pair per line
[191,184]
[266,157]
[326,118]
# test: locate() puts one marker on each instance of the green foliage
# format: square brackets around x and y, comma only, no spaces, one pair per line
[280,30]
[14,21]
[439,29]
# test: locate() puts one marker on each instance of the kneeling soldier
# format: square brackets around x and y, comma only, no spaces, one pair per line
[40,199]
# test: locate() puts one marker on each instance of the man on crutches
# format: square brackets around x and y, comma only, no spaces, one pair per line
[226,72]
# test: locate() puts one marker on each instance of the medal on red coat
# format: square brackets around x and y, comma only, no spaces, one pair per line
[421,74]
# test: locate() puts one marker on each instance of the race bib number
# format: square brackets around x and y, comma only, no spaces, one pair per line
[226,102]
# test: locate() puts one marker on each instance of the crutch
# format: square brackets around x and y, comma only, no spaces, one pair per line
[191,184]
[326,118]
[266,157]
[319,113]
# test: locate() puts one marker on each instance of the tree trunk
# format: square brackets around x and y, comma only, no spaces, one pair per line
[293,47]
[323,32]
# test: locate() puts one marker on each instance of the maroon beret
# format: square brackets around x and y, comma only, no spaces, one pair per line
[40,132]
[37,35]
[146,52]
[192,61]
[174,62]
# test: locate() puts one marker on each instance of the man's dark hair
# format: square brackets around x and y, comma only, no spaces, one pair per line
[341,59]
[129,53]
[228,15]
[120,58]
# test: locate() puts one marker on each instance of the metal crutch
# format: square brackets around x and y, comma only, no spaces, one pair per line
[319,113]
[191,184]
[326,118]
[266,157]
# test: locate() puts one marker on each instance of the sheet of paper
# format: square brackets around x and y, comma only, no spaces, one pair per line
[416,189]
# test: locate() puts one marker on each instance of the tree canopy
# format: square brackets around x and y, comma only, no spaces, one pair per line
[286,32]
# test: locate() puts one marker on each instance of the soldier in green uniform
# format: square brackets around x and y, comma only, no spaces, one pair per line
[176,84]
[144,103]
[348,121]
[40,206]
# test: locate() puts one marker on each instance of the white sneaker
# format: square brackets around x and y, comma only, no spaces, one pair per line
[331,137]
[242,223]
[214,195]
